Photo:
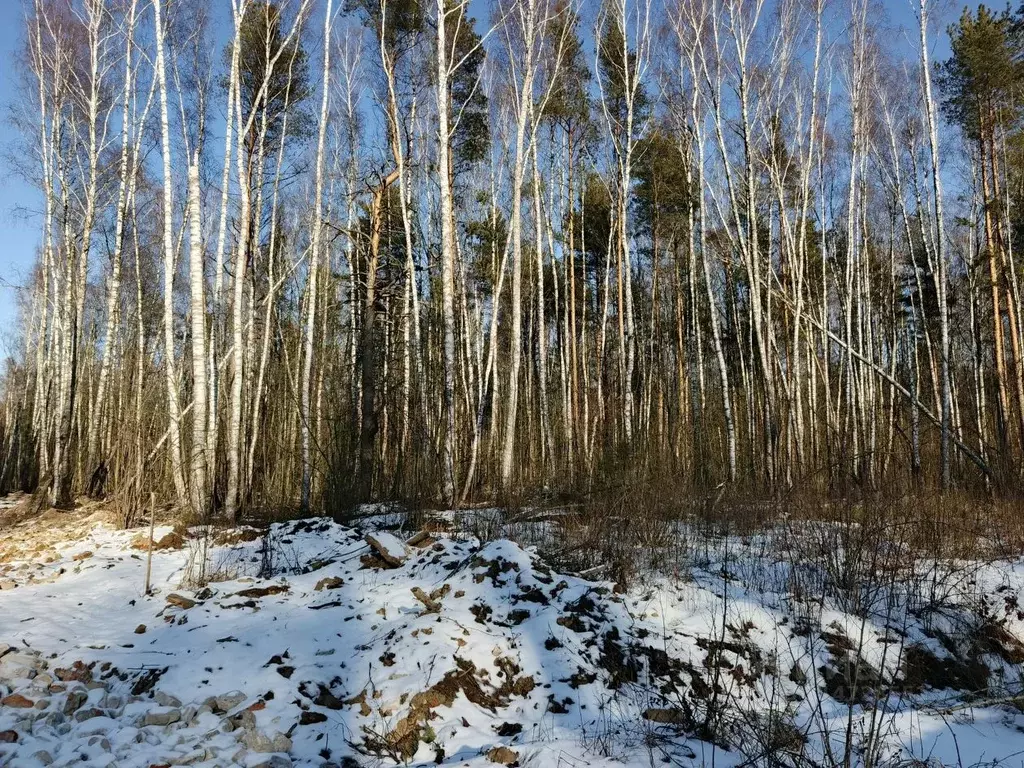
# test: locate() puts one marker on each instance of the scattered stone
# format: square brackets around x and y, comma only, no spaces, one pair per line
[503,756]
[140,630]
[17,701]
[272,761]
[166,700]
[81,556]
[87,713]
[181,602]
[312,718]
[42,756]
[227,701]
[331,582]
[257,741]
[75,701]
[163,716]
[8,737]
[77,672]
[14,665]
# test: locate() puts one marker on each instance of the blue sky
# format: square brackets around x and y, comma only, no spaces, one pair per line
[19,236]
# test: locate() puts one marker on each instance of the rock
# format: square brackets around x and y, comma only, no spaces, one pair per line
[17,701]
[503,756]
[273,761]
[166,700]
[53,719]
[78,671]
[81,556]
[188,714]
[227,701]
[180,601]
[163,716]
[140,630]
[101,742]
[87,714]
[331,582]
[7,585]
[42,681]
[391,549]
[42,756]
[8,737]
[15,666]
[257,741]
[245,720]
[75,701]
[312,718]
[42,704]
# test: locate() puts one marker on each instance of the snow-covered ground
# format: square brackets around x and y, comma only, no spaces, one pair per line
[452,651]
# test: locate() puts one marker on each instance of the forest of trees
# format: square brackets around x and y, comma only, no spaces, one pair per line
[309,253]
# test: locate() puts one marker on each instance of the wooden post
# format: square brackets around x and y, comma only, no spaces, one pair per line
[149,554]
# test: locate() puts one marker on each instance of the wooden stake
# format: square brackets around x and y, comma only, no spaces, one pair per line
[149,554]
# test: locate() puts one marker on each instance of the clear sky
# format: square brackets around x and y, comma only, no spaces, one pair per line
[19,234]
[18,237]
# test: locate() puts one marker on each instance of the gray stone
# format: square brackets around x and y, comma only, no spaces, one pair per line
[272,761]
[42,756]
[165,699]
[75,701]
[53,719]
[244,719]
[101,742]
[228,701]
[162,716]
[257,741]
[87,714]
[19,665]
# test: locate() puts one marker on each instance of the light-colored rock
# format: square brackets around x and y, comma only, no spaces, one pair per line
[17,666]
[166,700]
[42,756]
[227,701]
[258,741]
[272,761]
[162,716]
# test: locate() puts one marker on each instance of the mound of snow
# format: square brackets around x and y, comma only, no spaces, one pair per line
[453,651]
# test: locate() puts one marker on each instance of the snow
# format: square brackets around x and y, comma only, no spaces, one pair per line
[562,670]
